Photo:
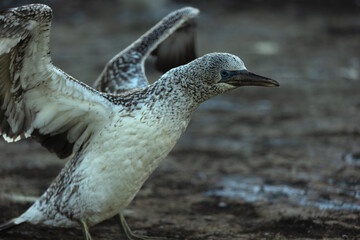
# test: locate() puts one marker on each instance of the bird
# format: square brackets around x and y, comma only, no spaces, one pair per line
[113,141]
[172,40]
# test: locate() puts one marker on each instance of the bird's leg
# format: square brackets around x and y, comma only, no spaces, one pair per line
[85,230]
[125,229]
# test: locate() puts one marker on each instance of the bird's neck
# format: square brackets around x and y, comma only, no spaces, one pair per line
[169,97]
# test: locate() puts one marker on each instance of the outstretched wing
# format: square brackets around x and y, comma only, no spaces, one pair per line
[37,99]
[126,70]
[178,48]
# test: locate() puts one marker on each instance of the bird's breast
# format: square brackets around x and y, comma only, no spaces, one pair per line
[120,159]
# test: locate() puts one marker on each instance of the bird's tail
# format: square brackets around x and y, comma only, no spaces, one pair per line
[12,223]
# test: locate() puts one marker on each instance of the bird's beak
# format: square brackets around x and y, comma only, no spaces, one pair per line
[245,78]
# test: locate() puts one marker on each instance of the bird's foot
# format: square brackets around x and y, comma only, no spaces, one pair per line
[85,230]
[130,234]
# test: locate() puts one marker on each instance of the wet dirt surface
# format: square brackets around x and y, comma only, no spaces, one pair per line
[258,163]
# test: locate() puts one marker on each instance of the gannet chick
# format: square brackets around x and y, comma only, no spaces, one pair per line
[172,40]
[116,141]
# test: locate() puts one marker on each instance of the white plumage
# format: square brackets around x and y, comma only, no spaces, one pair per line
[116,141]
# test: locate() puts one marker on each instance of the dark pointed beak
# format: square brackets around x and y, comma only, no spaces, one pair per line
[246,78]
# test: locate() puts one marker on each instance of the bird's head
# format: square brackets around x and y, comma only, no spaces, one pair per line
[217,73]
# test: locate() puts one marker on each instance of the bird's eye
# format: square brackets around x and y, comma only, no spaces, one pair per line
[224,73]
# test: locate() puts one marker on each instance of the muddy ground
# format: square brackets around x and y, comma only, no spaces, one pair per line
[258,163]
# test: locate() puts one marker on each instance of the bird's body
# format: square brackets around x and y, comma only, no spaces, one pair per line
[115,141]
[130,144]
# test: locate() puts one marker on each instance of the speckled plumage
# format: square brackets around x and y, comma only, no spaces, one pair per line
[172,40]
[116,140]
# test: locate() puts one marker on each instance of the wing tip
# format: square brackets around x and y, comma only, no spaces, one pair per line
[10,139]
[189,12]
[33,11]
[32,6]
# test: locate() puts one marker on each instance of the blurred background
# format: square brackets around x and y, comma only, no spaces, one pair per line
[257,163]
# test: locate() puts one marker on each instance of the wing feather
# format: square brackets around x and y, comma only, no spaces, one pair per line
[178,49]
[37,99]
[126,71]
